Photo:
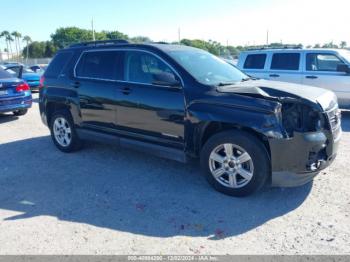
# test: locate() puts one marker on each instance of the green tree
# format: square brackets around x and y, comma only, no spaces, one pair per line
[114,35]
[330,45]
[37,49]
[66,36]
[141,39]
[50,49]
[343,44]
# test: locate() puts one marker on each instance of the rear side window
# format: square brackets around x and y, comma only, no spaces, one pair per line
[103,65]
[255,61]
[285,61]
[58,64]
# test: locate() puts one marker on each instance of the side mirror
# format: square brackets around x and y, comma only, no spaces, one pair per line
[343,68]
[166,79]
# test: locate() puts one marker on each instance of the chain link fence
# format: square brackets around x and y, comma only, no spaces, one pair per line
[29,61]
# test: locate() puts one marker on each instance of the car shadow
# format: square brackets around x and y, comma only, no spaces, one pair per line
[109,187]
[346,121]
[5,118]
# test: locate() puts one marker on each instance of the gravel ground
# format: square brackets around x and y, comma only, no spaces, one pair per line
[108,200]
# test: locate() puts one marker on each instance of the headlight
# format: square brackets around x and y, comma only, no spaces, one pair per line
[297,117]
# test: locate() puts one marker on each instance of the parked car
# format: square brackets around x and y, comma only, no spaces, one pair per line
[326,68]
[32,78]
[15,95]
[38,68]
[180,102]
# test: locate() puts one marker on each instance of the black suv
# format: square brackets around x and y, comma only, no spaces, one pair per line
[180,102]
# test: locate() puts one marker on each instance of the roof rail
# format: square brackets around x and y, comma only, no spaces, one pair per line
[102,42]
[264,47]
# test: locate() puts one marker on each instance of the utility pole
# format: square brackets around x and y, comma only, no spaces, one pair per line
[179,34]
[93,30]
[267,37]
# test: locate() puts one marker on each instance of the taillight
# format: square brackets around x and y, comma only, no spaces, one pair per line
[22,87]
[42,79]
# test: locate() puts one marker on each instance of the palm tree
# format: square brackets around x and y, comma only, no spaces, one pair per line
[17,36]
[27,39]
[5,34]
[9,40]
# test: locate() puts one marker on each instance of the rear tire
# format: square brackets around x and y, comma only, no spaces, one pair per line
[240,172]
[20,112]
[63,132]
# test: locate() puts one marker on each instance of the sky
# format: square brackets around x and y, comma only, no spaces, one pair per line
[235,22]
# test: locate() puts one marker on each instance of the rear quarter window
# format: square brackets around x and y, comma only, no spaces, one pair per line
[104,65]
[57,65]
[255,61]
[285,61]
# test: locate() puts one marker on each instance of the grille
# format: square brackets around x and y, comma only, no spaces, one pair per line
[334,117]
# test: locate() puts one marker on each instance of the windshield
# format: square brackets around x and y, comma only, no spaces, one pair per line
[4,74]
[207,68]
[346,55]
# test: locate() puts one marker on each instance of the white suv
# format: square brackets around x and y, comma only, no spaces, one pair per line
[326,68]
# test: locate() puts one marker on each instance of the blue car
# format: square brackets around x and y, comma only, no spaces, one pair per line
[15,94]
[32,78]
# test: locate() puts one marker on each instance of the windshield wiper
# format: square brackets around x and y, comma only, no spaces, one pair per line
[227,83]
[247,79]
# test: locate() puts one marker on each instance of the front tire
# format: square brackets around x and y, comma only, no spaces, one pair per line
[63,132]
[235,163]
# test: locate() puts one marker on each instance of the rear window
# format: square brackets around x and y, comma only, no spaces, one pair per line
[4,74]
[255,61]
[58,64]
[100,65]
[285,61]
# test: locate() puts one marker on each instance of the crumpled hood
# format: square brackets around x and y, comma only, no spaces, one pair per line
[325,98]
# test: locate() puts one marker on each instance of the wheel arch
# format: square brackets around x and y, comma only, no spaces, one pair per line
[53,106]
[208,129]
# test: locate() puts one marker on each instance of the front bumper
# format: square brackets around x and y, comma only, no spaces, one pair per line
[296,161]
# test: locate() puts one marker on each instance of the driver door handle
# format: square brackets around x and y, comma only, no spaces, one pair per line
[311,77]
[274,75]
[126,90]
[75,84]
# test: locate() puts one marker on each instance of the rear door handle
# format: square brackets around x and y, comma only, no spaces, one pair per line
[274,75]
[126,90]
[311,77]
[75,84]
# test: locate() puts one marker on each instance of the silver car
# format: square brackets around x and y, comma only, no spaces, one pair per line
[325,68]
